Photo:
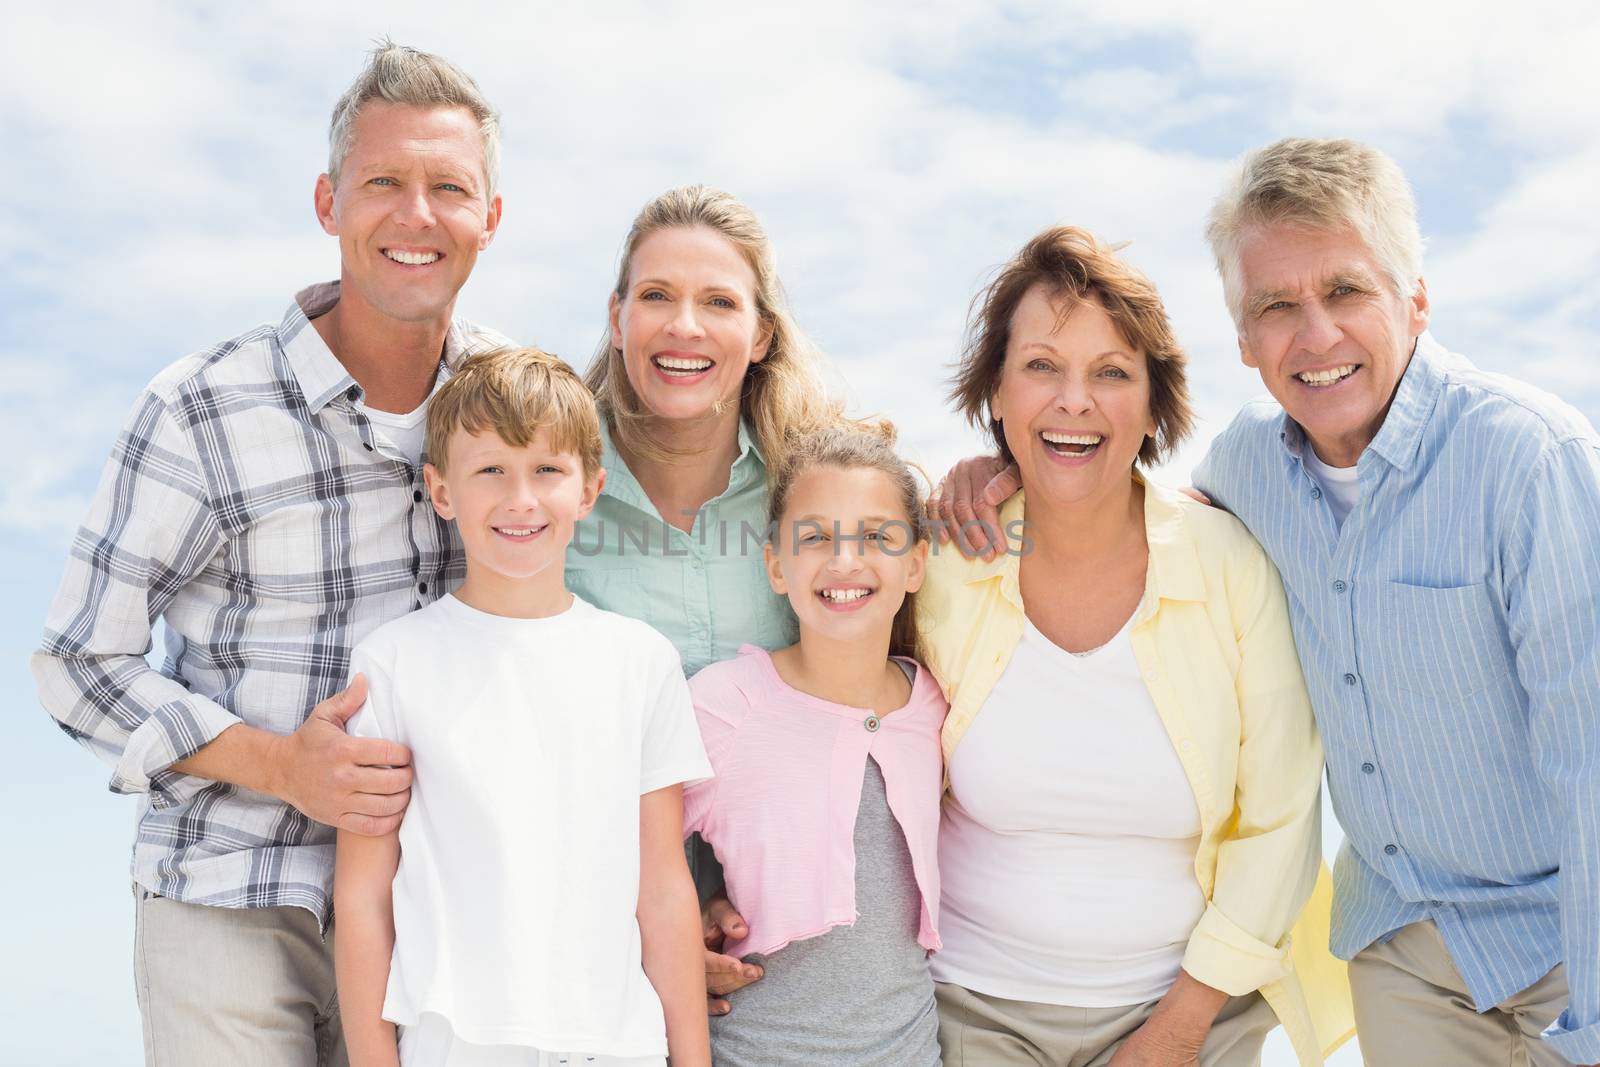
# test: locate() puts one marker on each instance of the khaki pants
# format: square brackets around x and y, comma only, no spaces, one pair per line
[976,1030]
[239,987]
[1413,1010]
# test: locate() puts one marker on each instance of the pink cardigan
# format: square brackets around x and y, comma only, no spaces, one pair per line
[781,811]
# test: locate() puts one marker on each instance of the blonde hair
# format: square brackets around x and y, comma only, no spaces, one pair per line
[516,392]
[1325,185]
[861,446]
[1074,265]
[783,396]
[397,74]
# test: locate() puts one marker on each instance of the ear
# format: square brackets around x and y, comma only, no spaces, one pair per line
[1245,355]
[438,492]
[764,331]
[491,223]
[614,313]
[995,413]
[1417,309]
[916,566]
[774,571]
[591,493]
[322,203]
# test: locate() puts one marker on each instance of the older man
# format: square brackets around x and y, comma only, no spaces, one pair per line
[265,499]
[1438,533]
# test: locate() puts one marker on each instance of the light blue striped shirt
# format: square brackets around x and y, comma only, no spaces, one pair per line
[1450,636]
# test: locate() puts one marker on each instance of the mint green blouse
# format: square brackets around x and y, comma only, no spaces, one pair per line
[706,589]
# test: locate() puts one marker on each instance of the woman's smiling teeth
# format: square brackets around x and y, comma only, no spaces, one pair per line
[1319,378]
[675,366]
[843,596]
[1071,444]
[411,259]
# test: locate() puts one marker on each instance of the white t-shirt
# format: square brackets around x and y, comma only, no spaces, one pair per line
[1067,848]
[1341,486]
[403,432]
[532,740]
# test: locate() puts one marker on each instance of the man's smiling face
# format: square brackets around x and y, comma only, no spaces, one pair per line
[1327,331]
[411,209]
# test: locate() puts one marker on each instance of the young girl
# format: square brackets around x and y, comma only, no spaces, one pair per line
[824,810]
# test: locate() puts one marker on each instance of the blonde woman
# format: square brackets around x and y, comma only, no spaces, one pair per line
[1131,824]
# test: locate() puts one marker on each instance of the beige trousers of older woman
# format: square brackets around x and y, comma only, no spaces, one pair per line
[976,1030]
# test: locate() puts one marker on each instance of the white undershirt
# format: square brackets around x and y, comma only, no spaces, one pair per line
[402,432]
[1341,486]
[1067,847]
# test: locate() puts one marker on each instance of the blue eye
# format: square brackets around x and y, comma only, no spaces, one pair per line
[491,470]
[722,302]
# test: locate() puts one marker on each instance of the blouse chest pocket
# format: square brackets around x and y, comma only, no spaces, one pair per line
[1446,643]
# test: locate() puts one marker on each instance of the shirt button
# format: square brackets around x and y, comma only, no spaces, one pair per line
[1349,679]
[416,494]
[1390,850]
[422,587]
[1367,768]
[1185,744]
[367,445]
[872,722]
[1316,494]
[1339,586]
[352,393]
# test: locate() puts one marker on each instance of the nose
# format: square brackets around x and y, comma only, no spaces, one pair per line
[686,322]
[848,548]
[415,210]
[1319,331]
[1074,396]
[522,494]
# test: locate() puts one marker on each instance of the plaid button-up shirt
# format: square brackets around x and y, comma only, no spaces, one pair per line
[250,505]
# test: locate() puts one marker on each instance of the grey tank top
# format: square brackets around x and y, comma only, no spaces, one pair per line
[856,996]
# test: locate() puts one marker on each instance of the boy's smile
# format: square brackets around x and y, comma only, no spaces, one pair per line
[515,507]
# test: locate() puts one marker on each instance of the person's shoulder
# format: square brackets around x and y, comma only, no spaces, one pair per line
[477,338]
[1257,424]
[412,634]
[623,632]
[248,356]
[1222,543]
[1507,410]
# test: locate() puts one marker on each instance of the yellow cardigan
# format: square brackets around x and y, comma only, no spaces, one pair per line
[1213,644]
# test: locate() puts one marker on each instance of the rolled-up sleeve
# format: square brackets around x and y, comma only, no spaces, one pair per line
[1267,862]
[149,531]
[1551,564]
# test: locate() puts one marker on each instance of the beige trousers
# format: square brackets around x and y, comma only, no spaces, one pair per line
[976,1030]
[241,987]
[1413,1010]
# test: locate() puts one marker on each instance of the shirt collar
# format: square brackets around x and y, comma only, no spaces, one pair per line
[748,467]
[317,371]
[1401,433]
[1174,570]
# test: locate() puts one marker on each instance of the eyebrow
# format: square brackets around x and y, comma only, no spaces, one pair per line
[717,287]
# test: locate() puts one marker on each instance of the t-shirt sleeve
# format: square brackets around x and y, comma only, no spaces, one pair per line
[376,717]
[719,707]
[672,751]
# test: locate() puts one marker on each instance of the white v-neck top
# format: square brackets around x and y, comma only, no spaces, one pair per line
[1067,848]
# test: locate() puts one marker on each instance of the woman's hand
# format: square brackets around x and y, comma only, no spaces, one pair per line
[1176,1030]
[724,974]
[967,503]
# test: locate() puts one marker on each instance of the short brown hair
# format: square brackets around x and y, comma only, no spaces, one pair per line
[516,392]
[1074,265]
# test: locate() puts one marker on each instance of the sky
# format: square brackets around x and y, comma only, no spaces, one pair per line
[161,168]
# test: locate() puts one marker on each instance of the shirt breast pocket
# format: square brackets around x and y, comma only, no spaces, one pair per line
[1445,643]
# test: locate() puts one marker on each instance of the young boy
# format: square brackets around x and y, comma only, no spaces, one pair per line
[538,879]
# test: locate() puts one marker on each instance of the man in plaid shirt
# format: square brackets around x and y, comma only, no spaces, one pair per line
[265,500]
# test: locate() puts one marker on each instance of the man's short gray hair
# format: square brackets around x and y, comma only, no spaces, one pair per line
[1324,185]
[400,75]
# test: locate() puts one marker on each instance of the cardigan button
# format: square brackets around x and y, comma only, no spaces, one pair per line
[872,722]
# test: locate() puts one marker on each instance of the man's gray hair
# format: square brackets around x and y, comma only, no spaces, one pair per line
[1324,185]
[397,74]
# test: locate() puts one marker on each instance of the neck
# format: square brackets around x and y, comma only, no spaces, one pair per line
[539,597]
[698,455]
[394,362]
[1083,531]
[1341,451]
[854,673]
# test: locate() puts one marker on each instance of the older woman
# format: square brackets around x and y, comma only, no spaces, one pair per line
[1131,827]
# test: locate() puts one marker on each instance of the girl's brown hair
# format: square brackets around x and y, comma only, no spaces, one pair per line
[862,446]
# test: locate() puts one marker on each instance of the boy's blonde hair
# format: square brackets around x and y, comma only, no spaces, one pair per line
[857,446]
[516,392]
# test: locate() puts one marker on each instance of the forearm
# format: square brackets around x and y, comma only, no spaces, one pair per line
[363,936]
[674,961]
[241,755]
[1183,1017]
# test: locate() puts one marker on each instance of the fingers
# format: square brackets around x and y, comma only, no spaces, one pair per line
[379,781]
[345,703]
[1194,494]
[724,973]
[717,1006]
[723,921]
[369,825]
[1001,488]
[378,752]
[378,805]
